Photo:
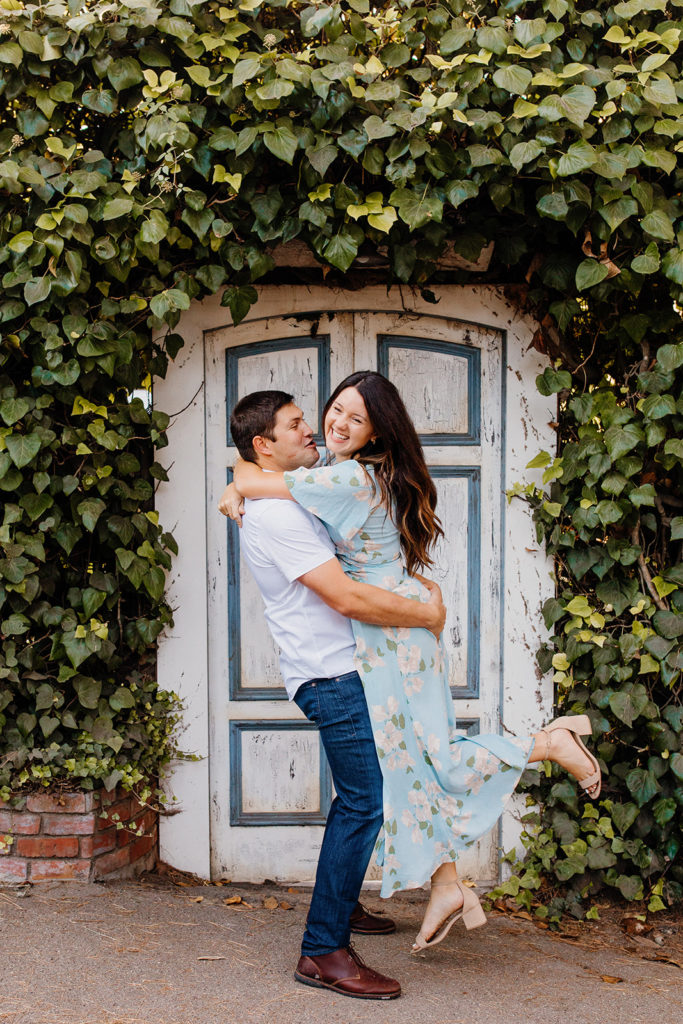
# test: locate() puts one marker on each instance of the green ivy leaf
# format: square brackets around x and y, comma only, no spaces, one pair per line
[659,225]
[459,192]
[668,624]
[77,651]
[314,19]
[22,448]
[648,262]
[341,251]
[513,78]
[643,495]
[90,510]
[672,265]
[154,582]
[282,143]
[579,157]
[624,815]
[124,73]
[21,242]
[117,208]
[239,301]
[36,504]
[553,205]
[642,785]
[416,209]
[275,90]
[36,290]
[630,887]
[621,440]
[11,53]
[589,273]
[670,357]
[628,706]
[551,381]
[14,409]
[524,153]
[376,128]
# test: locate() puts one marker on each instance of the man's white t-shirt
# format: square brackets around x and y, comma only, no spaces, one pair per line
[280,542]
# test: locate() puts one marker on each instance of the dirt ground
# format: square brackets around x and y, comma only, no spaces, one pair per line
[168,949]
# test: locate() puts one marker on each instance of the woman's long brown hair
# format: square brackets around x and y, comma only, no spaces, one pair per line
[406,488]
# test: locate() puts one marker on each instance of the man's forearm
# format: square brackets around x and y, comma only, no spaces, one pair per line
[379,607]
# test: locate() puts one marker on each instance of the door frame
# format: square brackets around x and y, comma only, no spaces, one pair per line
[183,657]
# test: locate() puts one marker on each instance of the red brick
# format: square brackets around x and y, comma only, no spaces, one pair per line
[106,798]
[148,821]
[69,824]
[111,861]
[43,846]
[142,846]
[101,842]
[66,870]
[12,869]
[136,808]
[20,823]
[120,807]
[60,803]
[125,836]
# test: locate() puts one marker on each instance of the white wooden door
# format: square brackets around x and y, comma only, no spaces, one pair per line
[270,785]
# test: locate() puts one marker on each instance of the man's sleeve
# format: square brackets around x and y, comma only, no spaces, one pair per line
[291,540]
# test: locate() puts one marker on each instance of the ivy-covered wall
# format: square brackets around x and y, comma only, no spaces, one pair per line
[152,153]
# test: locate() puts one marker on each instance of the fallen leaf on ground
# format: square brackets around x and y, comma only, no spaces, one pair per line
[284,905]
[633,924]
[610,979]
[196,899]
[270,903]
[662,958]
[231,900]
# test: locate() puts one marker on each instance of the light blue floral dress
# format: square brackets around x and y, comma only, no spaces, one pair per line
[442,790]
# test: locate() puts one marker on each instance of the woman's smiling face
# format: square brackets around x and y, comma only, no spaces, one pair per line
[347,425]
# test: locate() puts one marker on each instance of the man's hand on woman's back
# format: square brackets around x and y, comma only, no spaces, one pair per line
[436,601]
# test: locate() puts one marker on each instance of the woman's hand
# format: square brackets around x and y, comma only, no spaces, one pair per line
[232,504]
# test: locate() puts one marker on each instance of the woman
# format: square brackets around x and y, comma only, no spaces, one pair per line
[442,791]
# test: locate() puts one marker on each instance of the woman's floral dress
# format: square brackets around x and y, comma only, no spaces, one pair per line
[442,790]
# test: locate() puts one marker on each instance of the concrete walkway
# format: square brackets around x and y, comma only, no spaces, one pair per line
[155,952]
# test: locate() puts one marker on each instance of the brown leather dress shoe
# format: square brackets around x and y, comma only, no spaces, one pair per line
[344,972]
[364,923]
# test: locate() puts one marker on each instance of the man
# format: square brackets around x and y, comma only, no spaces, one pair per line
[308,601]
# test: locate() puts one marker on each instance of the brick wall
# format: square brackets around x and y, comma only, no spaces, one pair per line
[74,836]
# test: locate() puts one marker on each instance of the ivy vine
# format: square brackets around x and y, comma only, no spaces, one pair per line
[156,151]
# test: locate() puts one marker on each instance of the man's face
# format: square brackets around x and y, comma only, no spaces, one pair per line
[293,445]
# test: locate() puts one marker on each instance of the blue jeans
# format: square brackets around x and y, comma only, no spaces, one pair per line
[337,706]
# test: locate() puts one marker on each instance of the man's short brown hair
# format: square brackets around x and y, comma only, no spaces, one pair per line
[254,416]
